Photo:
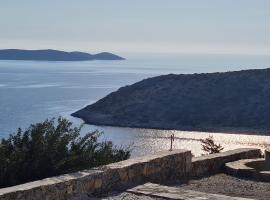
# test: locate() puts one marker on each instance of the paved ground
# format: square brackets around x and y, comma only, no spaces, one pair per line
[120,196]
[229,185]
[177,193]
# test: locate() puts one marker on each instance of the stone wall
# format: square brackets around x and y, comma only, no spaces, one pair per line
[160,167]
[214,163]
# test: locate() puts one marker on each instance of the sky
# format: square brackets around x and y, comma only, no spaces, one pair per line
[137,26]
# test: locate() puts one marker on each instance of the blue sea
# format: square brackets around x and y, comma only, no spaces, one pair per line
[32,91]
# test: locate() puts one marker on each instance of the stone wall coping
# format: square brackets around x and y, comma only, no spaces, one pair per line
[49,181]
[223,154]
[242,164]
[143,159]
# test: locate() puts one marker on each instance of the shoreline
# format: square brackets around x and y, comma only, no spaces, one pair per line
[225,130]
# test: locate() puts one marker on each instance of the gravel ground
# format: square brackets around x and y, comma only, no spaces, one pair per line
[231,186]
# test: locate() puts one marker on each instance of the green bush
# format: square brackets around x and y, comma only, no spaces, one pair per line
[209,146]
[51,148]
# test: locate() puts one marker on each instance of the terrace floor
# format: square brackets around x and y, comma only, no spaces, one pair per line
[216,187]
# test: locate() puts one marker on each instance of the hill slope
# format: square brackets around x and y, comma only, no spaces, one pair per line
[54,55]
[213,101]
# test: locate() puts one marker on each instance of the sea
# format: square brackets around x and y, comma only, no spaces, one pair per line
[32,91]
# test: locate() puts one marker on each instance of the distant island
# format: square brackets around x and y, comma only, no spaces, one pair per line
[54,55]
[226,102]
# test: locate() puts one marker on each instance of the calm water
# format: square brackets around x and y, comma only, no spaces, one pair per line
[33,91]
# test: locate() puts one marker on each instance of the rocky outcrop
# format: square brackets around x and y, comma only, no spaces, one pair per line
[215,101]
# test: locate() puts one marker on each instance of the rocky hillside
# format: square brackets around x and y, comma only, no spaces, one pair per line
[214,101]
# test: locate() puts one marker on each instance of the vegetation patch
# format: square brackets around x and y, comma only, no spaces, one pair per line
[51,148]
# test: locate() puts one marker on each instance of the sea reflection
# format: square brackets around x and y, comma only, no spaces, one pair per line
[147,141]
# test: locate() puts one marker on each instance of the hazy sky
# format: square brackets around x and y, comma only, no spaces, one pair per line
[189,26]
